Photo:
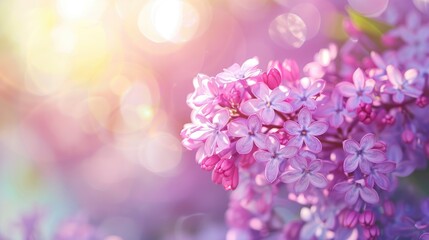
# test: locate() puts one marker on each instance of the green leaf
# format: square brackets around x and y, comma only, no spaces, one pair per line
[373,28]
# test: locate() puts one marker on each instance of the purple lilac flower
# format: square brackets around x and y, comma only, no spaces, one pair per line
[304,131]
[206,94]
[249,133]
[237,72]
[266,103]
[361,154]
[401,86]
[353,190]
[212,132]
[358,92]
[380,173]
[335,110]
[303,174]
[304,96]
[274,156]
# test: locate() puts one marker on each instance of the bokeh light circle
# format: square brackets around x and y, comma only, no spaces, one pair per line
[311,17]
[369,8]
[161,152]
[288,29]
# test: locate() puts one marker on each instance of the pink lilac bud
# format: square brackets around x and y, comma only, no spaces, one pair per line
[272,78]
[350,28]
[380,145]
[388,119]
[292,229]
[225,172]
[422,101]
[349,218]
[365,113]
[371,232]
[368,63]
[389,208]
[210,162]
[407,136]
[389,41]
[367,218]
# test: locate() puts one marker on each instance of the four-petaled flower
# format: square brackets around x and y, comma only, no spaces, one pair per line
[249,132]
[304,96]
[266,103]
[335,110]
[212,132]
[237,72]
[353,190]
[379,174]
[274,156]
[361,154]
[305,131]
[401,85]
[302,174]
[358,92]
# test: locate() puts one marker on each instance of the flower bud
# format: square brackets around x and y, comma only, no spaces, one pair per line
[371,232]
[273,78]
[389,208]
[350,218]
[422,101]
[367,218]
[388,119]
[407,136]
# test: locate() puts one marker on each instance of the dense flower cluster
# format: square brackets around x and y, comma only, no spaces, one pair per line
[317,153]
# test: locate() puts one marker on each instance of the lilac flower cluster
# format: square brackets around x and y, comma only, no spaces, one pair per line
[317,153]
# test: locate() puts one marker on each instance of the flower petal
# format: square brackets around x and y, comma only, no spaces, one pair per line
[318,128]
[262,156]
[350,163]
[267,115]
[254,123]
[259,140]
[304,117]
[382,181]
[292,127]
[317,180]
[221,118]
[374,155]
[272,170]
[287,152]
[272,143]
[302,184]
[313,143]
[346,89]
[283,107]
[222,141]
[359,79]
[298,163]
[315,166]
[209,146]
[261,91]
[290,176]
[238,128]
[251,106]
[369,195]
[350,146]
[278,95]
[352,103]
[352,195]
[316,87]
[244,145]
[296,141]
[343,187]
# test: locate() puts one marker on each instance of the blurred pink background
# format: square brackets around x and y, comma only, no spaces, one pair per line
[92,100]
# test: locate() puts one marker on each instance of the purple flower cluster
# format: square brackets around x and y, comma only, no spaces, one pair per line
[317,153]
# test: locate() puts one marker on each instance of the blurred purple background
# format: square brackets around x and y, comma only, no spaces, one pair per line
[92,96]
